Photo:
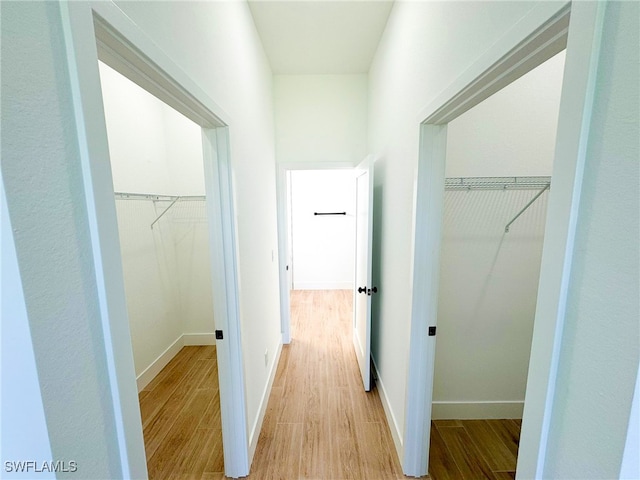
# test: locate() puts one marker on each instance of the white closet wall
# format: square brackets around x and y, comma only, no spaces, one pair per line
[489,278]
[155,150]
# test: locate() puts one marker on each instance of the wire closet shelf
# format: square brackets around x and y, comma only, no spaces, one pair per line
[158,198]
[501,183]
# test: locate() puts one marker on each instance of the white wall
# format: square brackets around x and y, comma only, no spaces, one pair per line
[426,45]
[600,349]
[323,246]
[216,44]
[489,279]
[23,423]
[486,302]
[513,132]
[156,150]
[320,118]
[45,196]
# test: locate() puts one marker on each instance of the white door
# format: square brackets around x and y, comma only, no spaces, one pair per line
[363,285]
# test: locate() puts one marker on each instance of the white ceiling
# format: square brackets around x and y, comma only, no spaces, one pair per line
[320,36]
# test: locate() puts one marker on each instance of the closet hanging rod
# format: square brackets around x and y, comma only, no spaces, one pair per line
[156,198]
[495,183]
[506,229]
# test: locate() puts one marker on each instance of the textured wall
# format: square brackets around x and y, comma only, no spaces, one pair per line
[600,345]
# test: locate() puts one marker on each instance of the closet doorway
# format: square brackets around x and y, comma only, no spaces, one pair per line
[158,176]
[498,174]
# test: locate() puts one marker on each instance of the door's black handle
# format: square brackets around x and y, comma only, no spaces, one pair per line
[362,289]
[372,290]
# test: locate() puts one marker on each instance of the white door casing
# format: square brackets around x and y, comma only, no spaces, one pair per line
[364,288]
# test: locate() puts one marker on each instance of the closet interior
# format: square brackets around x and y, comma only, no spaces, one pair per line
[158,178]
[498,179]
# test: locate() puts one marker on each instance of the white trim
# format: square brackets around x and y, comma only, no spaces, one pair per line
[126,48]
[264,402]
[141,58]
[194,339]
[323,286]
[283,237]
[159,363]
[497,67]
[574,120]
[226,302]
[396,434]
[81,55]
[537,37]
[476,410]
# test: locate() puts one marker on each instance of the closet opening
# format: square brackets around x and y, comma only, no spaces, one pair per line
[157,167]
[499,161]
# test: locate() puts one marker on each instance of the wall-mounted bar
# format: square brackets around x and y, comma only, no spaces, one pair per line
[506,229]
[329,213]
[495,183]
[157,198]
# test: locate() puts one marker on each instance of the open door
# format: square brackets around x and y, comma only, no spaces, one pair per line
[363,284]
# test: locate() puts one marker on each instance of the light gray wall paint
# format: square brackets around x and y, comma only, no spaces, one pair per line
[45,197]
[600,346]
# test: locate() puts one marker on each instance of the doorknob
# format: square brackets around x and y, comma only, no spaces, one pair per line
[362,289]
[372,290]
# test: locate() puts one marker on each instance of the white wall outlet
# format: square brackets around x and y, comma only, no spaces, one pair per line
[266,357]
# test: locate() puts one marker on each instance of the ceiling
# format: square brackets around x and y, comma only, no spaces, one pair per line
[320,36]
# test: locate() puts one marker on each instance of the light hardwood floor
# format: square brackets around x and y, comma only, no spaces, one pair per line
[319,424]
[180,411]
[474,449]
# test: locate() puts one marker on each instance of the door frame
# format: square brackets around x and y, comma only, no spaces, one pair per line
[102,30]
[283,229]
[539,35]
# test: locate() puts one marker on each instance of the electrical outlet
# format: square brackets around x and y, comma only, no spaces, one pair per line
[266,357]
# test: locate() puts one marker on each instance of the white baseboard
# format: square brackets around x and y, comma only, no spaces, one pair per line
[476,410]
[264,401]
[159,363]
[199,339]
[396,433]
[323,286]
[187,339]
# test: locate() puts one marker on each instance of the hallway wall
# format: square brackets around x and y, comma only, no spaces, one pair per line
[320,118]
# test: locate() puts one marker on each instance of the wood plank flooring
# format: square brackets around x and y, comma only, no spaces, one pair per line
[474,449]
[319,424]
[180,411]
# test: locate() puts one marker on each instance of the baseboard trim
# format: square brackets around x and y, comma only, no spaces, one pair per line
[323,286]
[264,401]
[199,339]
[159,363]
[476,410]
[186,339]
[396,433]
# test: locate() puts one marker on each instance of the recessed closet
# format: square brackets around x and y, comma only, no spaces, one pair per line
[158,178]
[499,163]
